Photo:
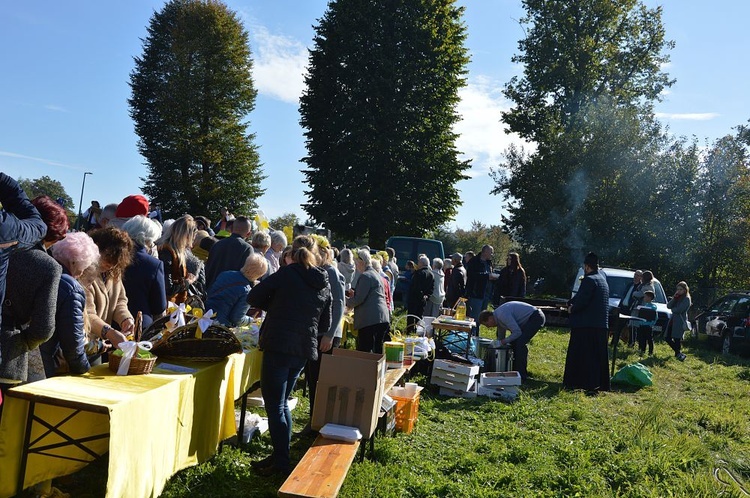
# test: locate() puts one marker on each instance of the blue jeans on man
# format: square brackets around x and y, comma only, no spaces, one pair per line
[279,373]
[474,306]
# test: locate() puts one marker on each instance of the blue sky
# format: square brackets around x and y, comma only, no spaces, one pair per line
[65,69]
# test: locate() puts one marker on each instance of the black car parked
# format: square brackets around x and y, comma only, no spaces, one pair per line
[726,322]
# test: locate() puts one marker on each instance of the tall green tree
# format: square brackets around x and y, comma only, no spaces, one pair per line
[592,71]
[724,237]
[378,110]
[45,185]
[191,94]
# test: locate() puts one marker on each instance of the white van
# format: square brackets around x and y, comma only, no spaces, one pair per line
[620,282]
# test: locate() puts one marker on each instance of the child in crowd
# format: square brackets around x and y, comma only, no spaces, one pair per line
[646,330]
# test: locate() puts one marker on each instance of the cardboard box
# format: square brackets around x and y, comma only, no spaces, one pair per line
[471,393]
[350,389]
[500,379]
[460,381]
[452,366]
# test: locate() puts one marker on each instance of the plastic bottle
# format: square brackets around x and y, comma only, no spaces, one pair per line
[461,311]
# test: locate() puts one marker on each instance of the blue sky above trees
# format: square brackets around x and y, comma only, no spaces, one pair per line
[64,93]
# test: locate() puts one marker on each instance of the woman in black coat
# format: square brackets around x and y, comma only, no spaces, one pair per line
[297,301]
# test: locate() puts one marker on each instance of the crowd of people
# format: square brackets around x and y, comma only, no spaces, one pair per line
[73,295]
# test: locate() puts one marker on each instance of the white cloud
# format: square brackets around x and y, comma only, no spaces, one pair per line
[482,137]
[56,108]
[688,116]
[48,162]
[279,66]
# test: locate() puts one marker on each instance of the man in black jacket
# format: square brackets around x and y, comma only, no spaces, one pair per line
[457,281]
[422,284]
[229,253]
[586,365]
[478,275]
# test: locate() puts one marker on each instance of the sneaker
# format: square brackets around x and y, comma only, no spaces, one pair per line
[272,470]
[681,356]
[259,464]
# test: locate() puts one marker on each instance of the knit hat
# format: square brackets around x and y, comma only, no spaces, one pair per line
[132,205]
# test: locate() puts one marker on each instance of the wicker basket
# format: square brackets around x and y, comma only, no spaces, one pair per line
[138,366]
[217,343]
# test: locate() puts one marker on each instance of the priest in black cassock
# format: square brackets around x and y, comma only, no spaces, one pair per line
[586,365]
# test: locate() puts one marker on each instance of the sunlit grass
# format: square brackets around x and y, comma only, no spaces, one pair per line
[670,439]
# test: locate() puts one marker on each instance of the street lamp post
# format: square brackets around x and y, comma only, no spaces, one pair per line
[80,204]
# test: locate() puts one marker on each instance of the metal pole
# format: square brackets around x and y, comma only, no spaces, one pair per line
[80,204]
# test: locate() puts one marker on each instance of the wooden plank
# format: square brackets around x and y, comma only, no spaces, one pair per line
[322,470]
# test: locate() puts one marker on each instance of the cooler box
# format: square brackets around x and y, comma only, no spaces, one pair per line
[498,359]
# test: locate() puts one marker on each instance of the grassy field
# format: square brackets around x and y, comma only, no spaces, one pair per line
[687,435]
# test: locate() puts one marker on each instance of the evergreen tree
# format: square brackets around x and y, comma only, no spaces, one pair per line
[378,111]
[191,94]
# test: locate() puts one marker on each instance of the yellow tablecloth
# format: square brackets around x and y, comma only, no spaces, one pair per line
[158,424]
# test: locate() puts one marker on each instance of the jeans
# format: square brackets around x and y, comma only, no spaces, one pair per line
[475,305]
[520,348]
[312,372]
[278,375]
[646,337]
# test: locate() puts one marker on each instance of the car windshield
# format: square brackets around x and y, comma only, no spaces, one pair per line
[618,286]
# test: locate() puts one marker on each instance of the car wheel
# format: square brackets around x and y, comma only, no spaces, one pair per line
[726,343]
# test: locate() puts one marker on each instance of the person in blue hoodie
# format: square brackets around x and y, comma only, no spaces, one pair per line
[227,297]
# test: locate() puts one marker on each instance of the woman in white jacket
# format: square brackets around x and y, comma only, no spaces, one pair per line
[435,302]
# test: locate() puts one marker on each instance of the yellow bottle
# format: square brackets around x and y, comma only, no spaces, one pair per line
[461,311]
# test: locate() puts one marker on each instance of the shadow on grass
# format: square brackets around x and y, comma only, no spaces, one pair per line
[706,353]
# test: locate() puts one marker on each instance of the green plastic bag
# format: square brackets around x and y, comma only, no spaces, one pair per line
[634,374]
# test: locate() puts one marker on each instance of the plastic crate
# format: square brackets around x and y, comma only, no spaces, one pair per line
[407,410]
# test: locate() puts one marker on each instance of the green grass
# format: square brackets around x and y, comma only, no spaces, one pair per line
[665,440]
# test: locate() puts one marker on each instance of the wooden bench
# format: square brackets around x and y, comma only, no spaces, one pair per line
[322,470]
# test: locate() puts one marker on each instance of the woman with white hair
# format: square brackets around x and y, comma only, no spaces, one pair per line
[273,254]
[371,316]
[75,253]
[144,277]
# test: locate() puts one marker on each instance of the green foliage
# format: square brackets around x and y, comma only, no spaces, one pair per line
[191,94]
[592,70]
[285,220]
[724,238]
[46,186]
[378,112]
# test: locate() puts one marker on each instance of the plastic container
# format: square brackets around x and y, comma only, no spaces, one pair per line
[460,311]
[394,354]
[407,409]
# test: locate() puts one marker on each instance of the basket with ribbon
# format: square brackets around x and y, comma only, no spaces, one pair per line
[134,357]
[202,339]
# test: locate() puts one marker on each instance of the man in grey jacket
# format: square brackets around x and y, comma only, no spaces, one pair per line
[523,321]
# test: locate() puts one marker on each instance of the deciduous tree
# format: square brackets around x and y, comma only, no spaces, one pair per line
[592,70]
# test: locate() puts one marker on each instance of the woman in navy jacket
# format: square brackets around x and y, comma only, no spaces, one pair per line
[75,253]
[144,278]
[297,300]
